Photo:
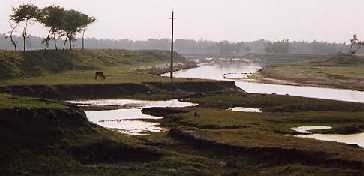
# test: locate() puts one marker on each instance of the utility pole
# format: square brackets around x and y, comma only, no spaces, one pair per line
[171,69]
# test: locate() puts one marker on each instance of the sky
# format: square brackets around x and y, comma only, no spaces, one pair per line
[217,20]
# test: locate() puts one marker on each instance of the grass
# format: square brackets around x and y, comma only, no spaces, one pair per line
[339,71]
[215,118]
[79,67]
[45,137]
[242,143]
[114,75]
[276,103]
[282,113]
[267,138]
[9,102]
[70,74]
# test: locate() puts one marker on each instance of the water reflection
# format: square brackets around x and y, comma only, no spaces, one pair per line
[129,119]
[132,103]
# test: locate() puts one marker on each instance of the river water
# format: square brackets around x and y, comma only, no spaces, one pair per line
[128,118]
[216,71]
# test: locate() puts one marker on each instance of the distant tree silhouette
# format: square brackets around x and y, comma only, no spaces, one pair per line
[280,47]
[356,44]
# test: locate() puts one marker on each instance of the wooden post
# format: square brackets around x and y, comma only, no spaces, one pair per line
[171,69]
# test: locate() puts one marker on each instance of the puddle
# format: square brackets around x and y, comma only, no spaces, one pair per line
[241,109]
[133,127]
[354,139]
[307,129]
[133,103]
[357,139]
[129,119]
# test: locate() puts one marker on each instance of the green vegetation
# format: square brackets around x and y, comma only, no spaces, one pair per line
[62,23]
[24,14]
[339,71]
[71,75]
[78,67]
[263,135]
[252,143]
[285,112]
[43,137]
[10,102]
[216,142]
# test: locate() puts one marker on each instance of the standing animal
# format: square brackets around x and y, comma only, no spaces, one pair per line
[100,74]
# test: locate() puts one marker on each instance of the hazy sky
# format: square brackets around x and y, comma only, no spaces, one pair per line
[234,20]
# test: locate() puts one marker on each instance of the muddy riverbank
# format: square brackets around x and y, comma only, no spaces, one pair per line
[147,90]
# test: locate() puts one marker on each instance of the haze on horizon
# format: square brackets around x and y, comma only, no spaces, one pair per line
[235,20]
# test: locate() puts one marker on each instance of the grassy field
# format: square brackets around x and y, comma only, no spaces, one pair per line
[79,67]
[10,102]
[71,74]
[267,136]
[48,137]
[216,142]
[340,71]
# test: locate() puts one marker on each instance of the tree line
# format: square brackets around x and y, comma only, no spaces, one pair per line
[196,47]
[62,24]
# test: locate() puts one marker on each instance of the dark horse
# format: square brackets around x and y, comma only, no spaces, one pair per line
[99,74]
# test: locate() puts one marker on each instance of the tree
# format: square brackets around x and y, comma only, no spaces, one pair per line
[45,42]
[25,13]
[53,18]
[86,20]
[73,23]
[11,34]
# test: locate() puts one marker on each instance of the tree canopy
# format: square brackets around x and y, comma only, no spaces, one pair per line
[25,13]
[61,23]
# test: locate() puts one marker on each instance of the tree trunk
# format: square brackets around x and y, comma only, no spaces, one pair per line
[83,39]
[25,36]
[24,39]
[55,42]
[70,42]
[12,41]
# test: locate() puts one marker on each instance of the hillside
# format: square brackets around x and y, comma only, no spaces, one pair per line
[39,63]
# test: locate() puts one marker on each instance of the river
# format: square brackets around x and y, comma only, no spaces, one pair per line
[216,71]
